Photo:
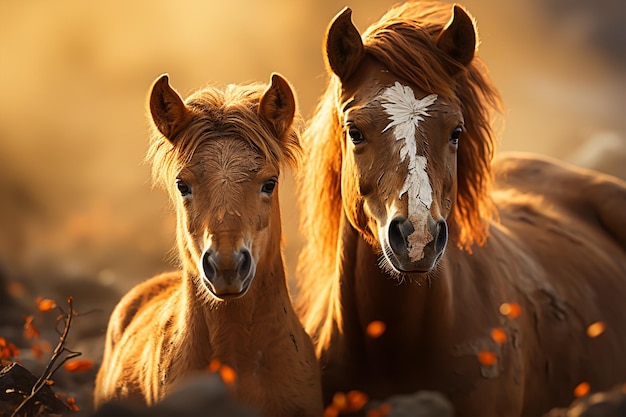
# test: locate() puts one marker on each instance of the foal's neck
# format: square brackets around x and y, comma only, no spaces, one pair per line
[228,328]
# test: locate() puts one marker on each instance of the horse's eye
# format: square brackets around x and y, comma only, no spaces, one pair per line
[268,186]
[355,135]
[183,188]
[456,133]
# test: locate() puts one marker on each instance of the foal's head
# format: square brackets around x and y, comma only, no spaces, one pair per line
[403,120]
[219,155]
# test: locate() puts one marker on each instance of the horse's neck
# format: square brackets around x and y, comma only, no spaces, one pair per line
[227,330]
[369,294]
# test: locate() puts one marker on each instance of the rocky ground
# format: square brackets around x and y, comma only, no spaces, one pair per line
[35,333]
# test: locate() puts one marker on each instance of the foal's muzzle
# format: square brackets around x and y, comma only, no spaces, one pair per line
[227,276]
[399,249]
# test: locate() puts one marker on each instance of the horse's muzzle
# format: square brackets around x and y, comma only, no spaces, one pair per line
[227,278]
[399,253]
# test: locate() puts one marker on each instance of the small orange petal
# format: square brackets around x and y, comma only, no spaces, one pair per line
[45,304]
[78,366]
[356,400]
[340,401]
[385,409]
[382,411]
[376,329]
[214,365]
[596,329]
[581,389]
[498,335]
[486,357]
[71,403]
[511,310]
[331,411]
[228,374]
[30,331]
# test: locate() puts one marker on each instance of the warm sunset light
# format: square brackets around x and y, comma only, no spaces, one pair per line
[453,182]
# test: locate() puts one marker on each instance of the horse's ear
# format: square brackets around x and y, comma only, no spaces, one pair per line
[458,37]
[344,47]
[278,105]
[169,113]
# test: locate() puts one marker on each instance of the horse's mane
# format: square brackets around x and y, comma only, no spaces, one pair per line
[228,112]
[404,41]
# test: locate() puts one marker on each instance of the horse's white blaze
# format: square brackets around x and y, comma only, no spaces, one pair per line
[405,113]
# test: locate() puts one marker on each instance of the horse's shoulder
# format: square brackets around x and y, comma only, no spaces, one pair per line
[138,298]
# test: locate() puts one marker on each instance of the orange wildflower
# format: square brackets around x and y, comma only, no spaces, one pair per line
[581,389]
[45,304]
[375,329]
[356,400]
[340,401]
[7,349]
[331,411]
[78,366]
[511,310]
[498,335]
[486,357]
[228,374]
[30,331]
[71,403]
[596,329]
[214,365]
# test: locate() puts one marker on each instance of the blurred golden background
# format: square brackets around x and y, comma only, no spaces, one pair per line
[78,215]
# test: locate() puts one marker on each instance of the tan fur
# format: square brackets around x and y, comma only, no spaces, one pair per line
[224,144]
[556,246]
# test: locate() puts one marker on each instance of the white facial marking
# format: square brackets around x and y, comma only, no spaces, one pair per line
[405,113]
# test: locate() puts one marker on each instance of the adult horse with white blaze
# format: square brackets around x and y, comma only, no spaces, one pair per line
[219,154]
[486,276]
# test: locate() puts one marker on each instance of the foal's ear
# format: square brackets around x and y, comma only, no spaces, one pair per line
[169,113]
[458,37]
[344,47]
[278,105]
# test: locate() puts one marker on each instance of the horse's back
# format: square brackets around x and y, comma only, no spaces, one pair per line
[564,228]
[587,195]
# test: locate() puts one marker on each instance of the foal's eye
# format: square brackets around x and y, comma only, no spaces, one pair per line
[183,188]
[268,186]
[355,135]
[456,133]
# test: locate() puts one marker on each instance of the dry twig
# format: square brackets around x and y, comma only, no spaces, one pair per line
[59,350]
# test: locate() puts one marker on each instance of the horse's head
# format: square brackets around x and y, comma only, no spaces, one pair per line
[219,155]
[399,167]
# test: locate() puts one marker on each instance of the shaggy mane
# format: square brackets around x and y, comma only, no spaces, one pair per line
[404,41]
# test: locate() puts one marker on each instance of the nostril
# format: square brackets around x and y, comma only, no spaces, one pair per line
[442,236]
[245,263]
[208,266]
[399,230]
